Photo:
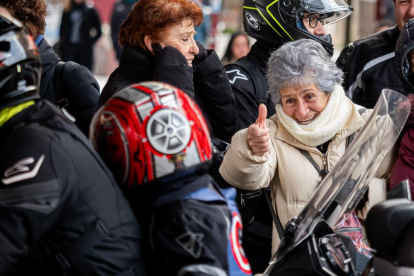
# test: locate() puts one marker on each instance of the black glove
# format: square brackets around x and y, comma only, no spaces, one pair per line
[202,53]
[168,55]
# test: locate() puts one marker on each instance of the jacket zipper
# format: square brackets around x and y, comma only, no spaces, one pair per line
[248,196]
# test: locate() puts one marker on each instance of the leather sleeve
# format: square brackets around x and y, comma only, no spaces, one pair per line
[346,61]
[30,194]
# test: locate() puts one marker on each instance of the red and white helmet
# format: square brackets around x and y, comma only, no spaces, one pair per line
[148,131]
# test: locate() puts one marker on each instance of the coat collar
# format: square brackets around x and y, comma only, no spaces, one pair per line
[136,64]
[353,124]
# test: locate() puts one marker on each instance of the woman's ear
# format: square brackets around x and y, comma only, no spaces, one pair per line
[148,43]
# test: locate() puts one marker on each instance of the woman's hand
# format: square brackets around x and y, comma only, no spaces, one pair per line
[258,133]
[202,53]
[168,55]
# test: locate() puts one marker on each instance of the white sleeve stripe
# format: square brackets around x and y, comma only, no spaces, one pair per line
[358,82]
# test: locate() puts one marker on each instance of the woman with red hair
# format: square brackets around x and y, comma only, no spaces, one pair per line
[158,44]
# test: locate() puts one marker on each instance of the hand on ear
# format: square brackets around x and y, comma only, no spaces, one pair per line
[157,48]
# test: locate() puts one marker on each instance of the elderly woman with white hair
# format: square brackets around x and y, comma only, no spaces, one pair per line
[313,122]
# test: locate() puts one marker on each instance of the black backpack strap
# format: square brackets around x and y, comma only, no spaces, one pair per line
[259,81]
[350,138]
[61,100]
[323,172]
[273,211]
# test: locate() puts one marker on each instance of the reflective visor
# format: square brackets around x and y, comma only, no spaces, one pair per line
[330,10]
[11,49]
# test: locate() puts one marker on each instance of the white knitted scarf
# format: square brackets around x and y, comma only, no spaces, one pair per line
[324,127]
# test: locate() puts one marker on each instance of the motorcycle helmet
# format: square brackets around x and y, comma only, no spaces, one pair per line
[20,66]
[150,131]
[278,22]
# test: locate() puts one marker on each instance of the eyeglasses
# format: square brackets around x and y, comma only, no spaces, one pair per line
[313,20]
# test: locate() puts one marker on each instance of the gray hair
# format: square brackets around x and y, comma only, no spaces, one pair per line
[302,62]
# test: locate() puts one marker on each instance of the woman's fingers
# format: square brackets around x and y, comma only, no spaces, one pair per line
[258,139]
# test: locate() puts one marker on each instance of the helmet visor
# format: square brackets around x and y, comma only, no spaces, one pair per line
[11,49]
[328,11]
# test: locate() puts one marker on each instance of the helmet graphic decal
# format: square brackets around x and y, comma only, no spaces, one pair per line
[151,131]
[168,131]
[252,20]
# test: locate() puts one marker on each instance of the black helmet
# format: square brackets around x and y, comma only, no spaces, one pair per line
[403,48]
[20,66]
[281,21]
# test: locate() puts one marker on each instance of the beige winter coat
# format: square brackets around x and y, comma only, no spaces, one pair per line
[292,178]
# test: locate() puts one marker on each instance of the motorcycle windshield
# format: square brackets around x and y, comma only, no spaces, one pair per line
[344,186]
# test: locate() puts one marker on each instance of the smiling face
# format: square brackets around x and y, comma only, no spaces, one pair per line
[303,103]
[181,37]
[404,11]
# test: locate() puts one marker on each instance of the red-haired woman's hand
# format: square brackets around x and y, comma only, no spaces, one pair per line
[202,53]
[168,55]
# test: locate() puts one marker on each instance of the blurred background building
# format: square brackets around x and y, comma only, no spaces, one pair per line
[222,18]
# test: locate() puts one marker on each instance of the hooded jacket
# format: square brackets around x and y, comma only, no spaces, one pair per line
[81,87]
[207,84]
[292,189]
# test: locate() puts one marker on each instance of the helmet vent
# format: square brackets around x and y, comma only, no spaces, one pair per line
[168,131]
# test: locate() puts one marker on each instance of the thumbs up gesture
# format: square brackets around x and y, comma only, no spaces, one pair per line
[258,133]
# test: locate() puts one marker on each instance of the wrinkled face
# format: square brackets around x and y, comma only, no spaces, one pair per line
[240,47]
[313,25]
[404,11]
[181,37]
[303,103]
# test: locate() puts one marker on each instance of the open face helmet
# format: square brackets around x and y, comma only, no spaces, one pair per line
[20,66]
[150,131]
[282,21]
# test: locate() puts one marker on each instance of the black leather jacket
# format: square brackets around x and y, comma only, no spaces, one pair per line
[369,67]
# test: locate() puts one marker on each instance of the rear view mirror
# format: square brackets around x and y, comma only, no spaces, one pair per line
[402,190]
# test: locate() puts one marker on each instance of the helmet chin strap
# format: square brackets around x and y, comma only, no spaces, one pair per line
[327,38]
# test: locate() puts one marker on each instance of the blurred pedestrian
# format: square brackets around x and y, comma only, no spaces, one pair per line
[158,44]
[80,29]
[238,47]
[120,12]
[67,85]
